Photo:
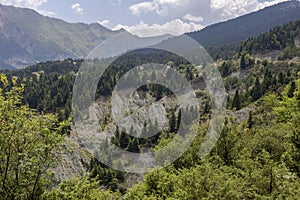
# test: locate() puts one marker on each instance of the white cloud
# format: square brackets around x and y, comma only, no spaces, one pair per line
[77,8]
[160,7]
[192,18]
[104,22]
[174,27]
[210,10]
[33,4]
[232,8]
[47,13]
[200,12]
[24,3]
[139,8]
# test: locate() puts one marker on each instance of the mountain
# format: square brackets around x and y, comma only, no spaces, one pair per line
[26,37]
[250,25]
[124,42]
[278,38]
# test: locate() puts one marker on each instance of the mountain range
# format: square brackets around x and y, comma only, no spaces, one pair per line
[239,29]
[26,37]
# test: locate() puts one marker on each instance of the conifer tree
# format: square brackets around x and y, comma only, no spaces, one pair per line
[236,101]
[243,62]
[250,120]
[256,90]
[172,122]
[178,120]
[292,90]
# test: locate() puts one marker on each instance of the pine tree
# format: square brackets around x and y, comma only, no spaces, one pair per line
[134,146]
[292,90]
[243,62]
[159,92]
[172,122]
[236,101]
[267,82]
[250,120]
[207,107]
[256,90]
[178,120]
[124,140]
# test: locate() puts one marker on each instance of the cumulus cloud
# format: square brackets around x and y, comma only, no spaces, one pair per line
[188,15]
[33,4]
[77,8]
[104,22]
[24,3]
[174,27]
[160,7]
[192,18]
[210,10]
[232,8]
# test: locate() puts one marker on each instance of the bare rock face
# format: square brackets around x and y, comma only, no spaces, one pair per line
[72,160]
[78,148]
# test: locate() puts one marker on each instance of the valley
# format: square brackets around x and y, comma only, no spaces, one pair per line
[53,148]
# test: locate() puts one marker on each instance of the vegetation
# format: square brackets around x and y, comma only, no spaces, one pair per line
[249,162]
[256,157]
[237,30]
[28,142]
[279,38]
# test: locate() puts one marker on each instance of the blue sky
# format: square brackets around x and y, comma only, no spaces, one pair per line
[145,17]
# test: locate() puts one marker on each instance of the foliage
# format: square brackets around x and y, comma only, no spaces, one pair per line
[79,189]
[278,38]
[28,145]
[256,157]
[257,163]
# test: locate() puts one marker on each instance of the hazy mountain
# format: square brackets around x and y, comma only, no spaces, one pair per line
[125,42]
[26,37]
[241,28]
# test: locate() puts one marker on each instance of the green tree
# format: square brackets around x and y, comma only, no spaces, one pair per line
[292,89]
[172,122]
[124,140]
[134,146]
[178,119]
[250,121]
[81,189]
[236,101]
[243,62]
[28,143]
[256,90]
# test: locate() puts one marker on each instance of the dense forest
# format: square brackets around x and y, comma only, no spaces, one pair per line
[256,157]
[285,38]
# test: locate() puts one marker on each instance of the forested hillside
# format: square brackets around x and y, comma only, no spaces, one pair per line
[26,37]
[251,25]
[256,157]
[285,38]
[222,39]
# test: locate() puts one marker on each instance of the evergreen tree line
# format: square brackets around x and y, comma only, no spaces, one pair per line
[277,38]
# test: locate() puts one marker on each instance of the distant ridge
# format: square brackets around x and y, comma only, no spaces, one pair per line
[26,38]
[239,29]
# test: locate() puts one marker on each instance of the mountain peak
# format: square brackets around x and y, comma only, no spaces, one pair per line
[27,37]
